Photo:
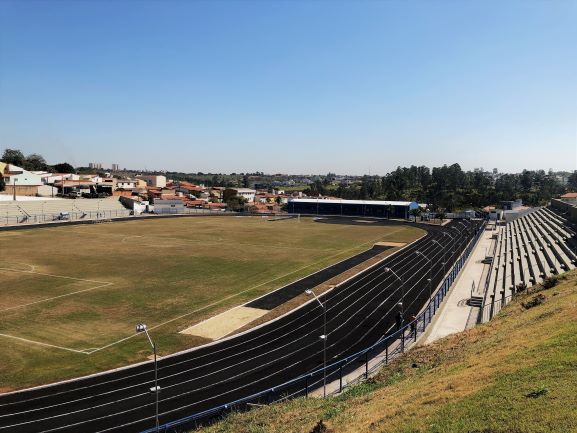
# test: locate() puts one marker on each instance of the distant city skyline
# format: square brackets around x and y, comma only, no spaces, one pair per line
[291,87]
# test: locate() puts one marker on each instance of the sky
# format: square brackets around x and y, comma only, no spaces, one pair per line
[353,87]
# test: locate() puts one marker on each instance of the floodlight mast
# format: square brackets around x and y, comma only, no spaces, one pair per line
[323,337]
[389,270]
[141,327]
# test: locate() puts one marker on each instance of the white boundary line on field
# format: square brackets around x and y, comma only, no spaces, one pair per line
[43,344]
[100,285]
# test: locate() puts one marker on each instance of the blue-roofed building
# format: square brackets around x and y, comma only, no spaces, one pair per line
[367,208]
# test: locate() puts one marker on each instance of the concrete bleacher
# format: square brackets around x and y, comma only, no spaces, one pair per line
[38,211]
[534,246]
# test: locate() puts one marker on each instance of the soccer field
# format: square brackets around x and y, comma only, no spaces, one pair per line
[71,296]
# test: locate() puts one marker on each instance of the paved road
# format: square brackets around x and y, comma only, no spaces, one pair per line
[359,313]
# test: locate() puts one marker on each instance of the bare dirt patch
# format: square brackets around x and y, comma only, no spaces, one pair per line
[225,323]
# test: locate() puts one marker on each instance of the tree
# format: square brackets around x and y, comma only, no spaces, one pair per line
[572,181]
[236,203]
[2,183]
[415,212]
[441,215]
[14,157]
[390,210]
[35,162]
[63,167]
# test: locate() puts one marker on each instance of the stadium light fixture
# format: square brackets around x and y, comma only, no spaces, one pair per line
[141,327]
[390,271]
[323,337]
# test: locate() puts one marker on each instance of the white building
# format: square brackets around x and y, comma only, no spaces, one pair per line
[247,193]
[19,176]
[126,184]
[153,180]
[51,178]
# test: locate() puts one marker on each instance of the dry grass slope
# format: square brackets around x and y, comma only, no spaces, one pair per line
[516,374]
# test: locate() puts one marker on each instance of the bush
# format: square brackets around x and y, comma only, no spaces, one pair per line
[536,300]
[549,282]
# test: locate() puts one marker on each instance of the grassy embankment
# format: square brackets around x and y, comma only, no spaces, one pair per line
[517,374]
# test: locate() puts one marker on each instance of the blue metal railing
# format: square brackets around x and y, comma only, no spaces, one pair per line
[388,348]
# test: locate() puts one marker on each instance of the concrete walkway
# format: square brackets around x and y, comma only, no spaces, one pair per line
[455,315]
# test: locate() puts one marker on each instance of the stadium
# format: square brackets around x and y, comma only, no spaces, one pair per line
[360,312]
[379,281]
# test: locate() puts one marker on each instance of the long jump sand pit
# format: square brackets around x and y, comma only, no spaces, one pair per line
[391,244]
[225,323]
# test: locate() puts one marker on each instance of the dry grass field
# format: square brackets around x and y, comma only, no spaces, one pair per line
[71,296]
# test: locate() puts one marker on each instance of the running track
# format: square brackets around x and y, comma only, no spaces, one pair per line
[359,313]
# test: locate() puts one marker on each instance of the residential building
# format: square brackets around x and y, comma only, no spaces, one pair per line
[570,197]
[125,184]
[153,180]
[19,181]
[162,206]
[247,193]
[511,204]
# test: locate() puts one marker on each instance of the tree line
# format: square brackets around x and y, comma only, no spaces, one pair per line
[33,162]
[445,188]
[449,187]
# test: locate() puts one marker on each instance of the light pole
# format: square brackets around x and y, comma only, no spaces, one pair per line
[389,270]
[141,327]
[430,272]
[323,337]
